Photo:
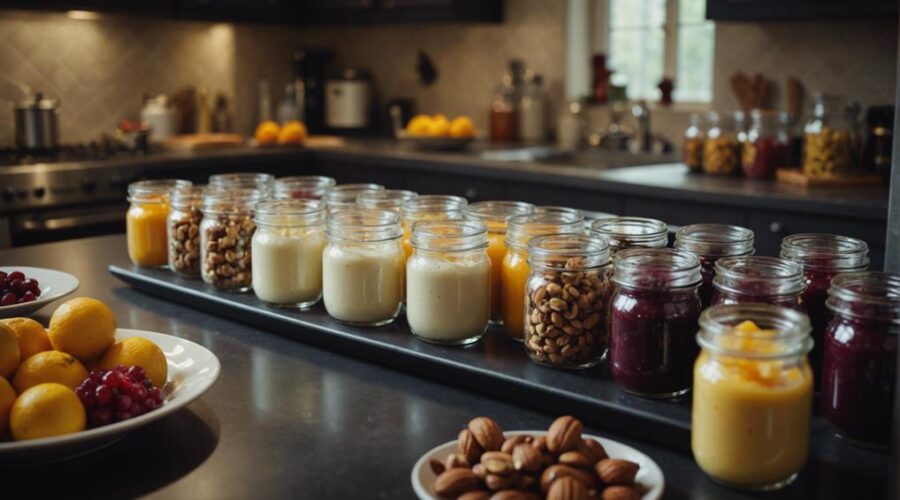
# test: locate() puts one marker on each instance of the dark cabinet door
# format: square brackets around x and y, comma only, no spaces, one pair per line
[745,10]
[161,8]
[261,11]
[758,10]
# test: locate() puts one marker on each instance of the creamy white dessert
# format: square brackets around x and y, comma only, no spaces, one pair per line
[448,300]
[363,284]
[287,265]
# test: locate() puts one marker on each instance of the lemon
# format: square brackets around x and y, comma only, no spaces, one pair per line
[267,132]
[461,127]
[46,410]
[439,127]
[49,366]
[141,352]
[293,132]
[9,351]
[83,327]
[7,398]
[31,334]
[419,125]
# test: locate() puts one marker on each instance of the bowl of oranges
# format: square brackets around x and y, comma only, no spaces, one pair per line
[439,133]
[270,134]
[81,382]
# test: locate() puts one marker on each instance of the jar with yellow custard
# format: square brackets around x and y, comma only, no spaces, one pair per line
[495,215]
[145,221]
[752,395]
[515,269]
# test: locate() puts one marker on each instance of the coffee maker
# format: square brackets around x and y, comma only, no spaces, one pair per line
[310,75]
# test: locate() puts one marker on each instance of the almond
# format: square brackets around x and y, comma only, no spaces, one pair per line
[619,493]
[497,462]
[496,482]
[557,471]
[564,434]
[479,470]
[455,460]
[567,488]
[468,446]
[575,459]
[526,458]
[437,466]
[616,472]
[511,443]
[593,449]
[455,482]
[487,432]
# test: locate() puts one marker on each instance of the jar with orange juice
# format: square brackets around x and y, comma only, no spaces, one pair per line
[494,215]
[753,390]
[515,269]
[145,221]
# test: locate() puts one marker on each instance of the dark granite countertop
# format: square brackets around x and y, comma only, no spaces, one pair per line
[287,420]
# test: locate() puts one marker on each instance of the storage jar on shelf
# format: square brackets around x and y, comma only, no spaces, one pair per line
[146,224]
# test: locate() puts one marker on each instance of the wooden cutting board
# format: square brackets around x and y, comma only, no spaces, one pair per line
[191,142]
[798,178]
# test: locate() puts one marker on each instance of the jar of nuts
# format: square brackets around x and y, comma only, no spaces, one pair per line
[692,148]
[828,146]
[183,226]
[721,150]
[565,309]
[225,238]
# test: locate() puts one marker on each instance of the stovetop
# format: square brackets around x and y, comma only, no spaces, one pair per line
[89,151]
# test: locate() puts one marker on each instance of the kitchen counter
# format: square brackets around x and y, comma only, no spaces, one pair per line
[290,420]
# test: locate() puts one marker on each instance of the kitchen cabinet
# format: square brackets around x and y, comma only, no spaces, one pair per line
[258,11]
[349,12]
[763,10]
[159,8]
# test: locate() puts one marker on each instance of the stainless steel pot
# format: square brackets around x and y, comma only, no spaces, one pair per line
[37,123]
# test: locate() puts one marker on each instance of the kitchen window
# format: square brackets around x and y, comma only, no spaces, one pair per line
[647,40]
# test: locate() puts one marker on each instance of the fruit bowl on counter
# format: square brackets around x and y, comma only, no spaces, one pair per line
[437,133]
[24,290]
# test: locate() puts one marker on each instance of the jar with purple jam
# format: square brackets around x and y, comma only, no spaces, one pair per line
[631,232]
[711,242]
[860,356]
[763,280]
[653,319]
[822,256]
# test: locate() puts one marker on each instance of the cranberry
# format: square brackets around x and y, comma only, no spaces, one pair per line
[100,417]
[123,402]
[28,296]
[104,395]
[116,395]
[137,373]
[150,404]
[31,284]
[3,275]
[8,299]
[16,275]
[4,285]
[139,392]
[155,394]
[17,287]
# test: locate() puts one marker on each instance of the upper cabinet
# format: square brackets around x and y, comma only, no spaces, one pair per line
[778,10]
[324,12]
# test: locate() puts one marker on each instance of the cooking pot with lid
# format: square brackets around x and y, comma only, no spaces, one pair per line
[37,123]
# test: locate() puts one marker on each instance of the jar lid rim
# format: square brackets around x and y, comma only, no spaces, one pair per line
[721,321]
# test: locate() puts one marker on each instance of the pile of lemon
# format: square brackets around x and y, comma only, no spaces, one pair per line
[291,133]
[40,368]
[460,127]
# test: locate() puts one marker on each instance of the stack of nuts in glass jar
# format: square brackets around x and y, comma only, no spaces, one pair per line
[184,229]
[561,465]
[226,233]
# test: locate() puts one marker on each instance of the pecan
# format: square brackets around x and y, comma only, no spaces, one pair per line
[576,459]
[455,482]
[487,432]
[567,488]
[468,446]
[527,458]
[511,443]
[497,462]
[564,434]
[557,471]
[616,472]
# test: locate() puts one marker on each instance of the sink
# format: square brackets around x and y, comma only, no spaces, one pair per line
[587,158]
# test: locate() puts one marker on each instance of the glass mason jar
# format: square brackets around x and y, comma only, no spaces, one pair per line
[495,215]
[244,180]
[514,272]
[827,145]
[362,267]
[652,321]
[765,280]
[565,308]
[183,229]
[428,207]
[711,242]
[303,186]
[822,257]
[343,196]
[721,150]
[225,238]
[448,282]
[859,370]
[766,149]
[287,252]
[692,147]
[145,221]
[388,199]
[752,400]
[631,232]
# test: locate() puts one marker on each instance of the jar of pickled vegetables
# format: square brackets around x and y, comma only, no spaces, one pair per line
[145,221]
[828,147]
[766,149]
[721,150]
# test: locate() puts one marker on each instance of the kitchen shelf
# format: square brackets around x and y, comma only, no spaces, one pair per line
[496,366]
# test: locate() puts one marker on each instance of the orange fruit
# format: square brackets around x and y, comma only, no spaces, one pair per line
[439,127]
[46,410]
[419,125]
[141,352]
[83,327]
[9,351]
[32,336]
[292,132]
[49,366]
[7,398]
[461,127]
[267,132]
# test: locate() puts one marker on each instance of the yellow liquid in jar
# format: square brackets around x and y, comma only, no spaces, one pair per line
[514,275]
[146,234]
[496,252]
[751,417]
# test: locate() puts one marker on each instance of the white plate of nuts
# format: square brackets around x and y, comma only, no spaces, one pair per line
[485,463]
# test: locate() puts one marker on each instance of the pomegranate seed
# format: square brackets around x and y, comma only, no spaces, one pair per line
[16,275]
[123,402]
[101,416]
[3,275]
[28,296]
[16,287]
[8,299]
[155,394]
[137,410]
[150,404]
[119,369]
[4,284]
[111,379]
[137,373]
[104,395]
[139,392]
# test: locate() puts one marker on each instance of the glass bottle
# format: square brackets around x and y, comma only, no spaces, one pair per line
[565,305]
[183,229]
[827,138]
[343,196]
[503,119]
[303,186]
[225,238]
[287,252]
[362,267]
[631,232]
[514,273]
[859,370]
[448,280]
[766,149]
[495,215]
[756,279]
[711,242]
[822,257]
[692,147]
[752,400]
[145,221]
[652,321]
[721,151]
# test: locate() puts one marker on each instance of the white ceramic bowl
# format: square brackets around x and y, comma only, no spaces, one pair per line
[649,476]
[54,285]
[192,370]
